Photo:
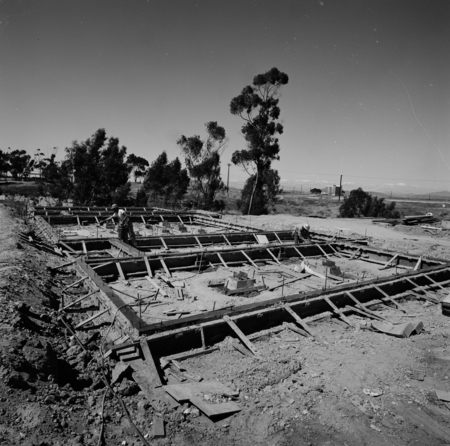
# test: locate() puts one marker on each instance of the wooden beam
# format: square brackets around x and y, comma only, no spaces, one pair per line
[79,300]
[298,319]
[152,370]
[299,253]
[337,311]
[250,260]
[164,243]
[273,256]
[143,219]
[390,261]
[147,266]
[198,241]
[276,235]
[226,239]
[84,246]
[389,298]
[360,305]
[358,251]
[421,288]
[222,260]
[241,335]
[95,316]
[324,253]
[166,269]
[418,264]
[78,220]
[436,283]
[119,268]
[339,255]
[75,283]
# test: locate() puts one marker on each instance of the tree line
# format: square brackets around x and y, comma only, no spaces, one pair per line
[97,171]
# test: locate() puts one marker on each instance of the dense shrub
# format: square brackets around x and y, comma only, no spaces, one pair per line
[362,204]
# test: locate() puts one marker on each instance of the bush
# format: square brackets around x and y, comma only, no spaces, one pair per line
[362,204]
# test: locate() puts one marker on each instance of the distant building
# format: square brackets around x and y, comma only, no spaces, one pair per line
[333,190]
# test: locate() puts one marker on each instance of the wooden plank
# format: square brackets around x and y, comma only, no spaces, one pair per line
[324,253]
[119,268]
[297,319]
[273,256]
[250,260]
[295,329]
[389,298]
[213,410]
[84,246]
[226,239]
[222,260]
[198,241]
[418,264]
[241,349]
[166,269]
[158,427]
[75,283]
[164,243]
[299,253]
[143,219]
[63,265]
[339,255]
[390,261]
[241,335]
[278,238]
[147,266]
[95,316]
[431,298]
[156,286]
[360,305]
[151,366]
[436,283]
[355,254]
[337,311]
[102,264]
[78,220]
[184,392]
[79,300]
[192,354]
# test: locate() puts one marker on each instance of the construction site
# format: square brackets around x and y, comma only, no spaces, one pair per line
[217,328]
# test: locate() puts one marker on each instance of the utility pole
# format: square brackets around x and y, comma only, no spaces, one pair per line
[228,181]
[340,188]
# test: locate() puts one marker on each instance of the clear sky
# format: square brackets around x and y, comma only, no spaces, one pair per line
[368,94]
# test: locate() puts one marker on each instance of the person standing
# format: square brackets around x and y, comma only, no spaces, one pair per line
[124,225]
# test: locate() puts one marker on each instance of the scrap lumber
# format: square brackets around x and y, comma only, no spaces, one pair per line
[337,311]
[295,279]
[399,330]
[297,318]
[193,392]
[240,334]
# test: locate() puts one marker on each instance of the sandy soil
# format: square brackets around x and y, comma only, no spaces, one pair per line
[299,391]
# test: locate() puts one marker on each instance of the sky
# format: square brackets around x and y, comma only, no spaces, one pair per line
[368,96]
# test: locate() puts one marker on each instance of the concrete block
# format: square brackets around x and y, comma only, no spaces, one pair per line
[233,283]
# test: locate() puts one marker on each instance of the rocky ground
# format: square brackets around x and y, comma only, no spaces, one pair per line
[347,386]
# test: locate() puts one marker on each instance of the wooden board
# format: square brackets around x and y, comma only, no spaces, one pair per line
[158,427]
[184,392]
[212,410]
[240,334]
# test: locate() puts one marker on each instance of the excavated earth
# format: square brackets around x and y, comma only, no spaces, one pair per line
[347,386]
